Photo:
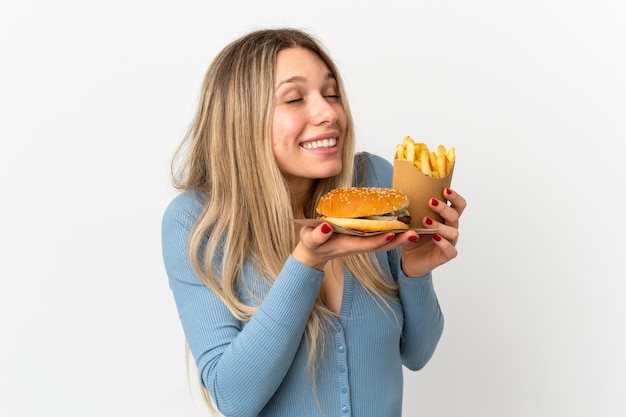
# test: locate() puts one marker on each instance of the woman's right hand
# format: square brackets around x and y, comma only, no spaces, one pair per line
[320,244]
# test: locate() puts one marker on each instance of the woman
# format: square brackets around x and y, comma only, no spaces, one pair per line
[283,319]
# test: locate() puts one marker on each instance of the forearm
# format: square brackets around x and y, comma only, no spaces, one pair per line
[423,320]
[241,365]
[243,374]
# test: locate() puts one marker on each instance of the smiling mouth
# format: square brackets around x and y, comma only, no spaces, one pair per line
[320,144]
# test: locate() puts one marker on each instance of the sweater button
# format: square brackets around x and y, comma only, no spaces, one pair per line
[342,369]
[341,349]
[345,409]
[344,390]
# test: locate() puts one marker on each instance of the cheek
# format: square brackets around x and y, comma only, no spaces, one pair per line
[342,120]
[282,131]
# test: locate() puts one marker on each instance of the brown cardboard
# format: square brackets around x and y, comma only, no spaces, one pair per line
[338,229]
[420,188]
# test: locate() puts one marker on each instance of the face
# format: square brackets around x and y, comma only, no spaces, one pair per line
[309,119]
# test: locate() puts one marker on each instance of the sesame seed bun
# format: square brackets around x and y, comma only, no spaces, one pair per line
[349,207]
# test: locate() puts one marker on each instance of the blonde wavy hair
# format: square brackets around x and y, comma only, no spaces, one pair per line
[226,156]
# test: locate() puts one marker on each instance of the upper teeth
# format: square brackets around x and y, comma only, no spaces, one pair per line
[325,143]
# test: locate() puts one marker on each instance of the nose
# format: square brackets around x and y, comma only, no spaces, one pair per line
[323,111]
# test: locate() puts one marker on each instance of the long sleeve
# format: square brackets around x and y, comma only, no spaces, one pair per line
[423,321]
[241,365]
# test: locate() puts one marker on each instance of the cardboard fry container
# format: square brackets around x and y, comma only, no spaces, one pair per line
[419,188]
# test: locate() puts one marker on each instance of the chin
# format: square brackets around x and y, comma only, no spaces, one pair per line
[311,168]
[327,170]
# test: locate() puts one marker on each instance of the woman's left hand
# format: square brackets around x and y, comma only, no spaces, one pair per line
[428,252]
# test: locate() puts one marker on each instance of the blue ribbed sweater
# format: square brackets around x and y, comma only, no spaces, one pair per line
[259,368]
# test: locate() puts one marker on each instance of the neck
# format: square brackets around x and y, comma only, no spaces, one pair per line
[300,189]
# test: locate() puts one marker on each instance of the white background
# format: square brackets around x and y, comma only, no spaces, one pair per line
[95,96]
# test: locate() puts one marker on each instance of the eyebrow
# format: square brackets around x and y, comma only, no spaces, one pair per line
[299,78]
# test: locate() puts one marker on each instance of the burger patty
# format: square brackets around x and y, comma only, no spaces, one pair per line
[400,215]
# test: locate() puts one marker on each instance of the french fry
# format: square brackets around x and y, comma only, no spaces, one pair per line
[422,147]
[450,157]
[432,159]
[425,160]
[400,152]
[410,151]
[441,151]
[441,166]
[408,139]
[437,164]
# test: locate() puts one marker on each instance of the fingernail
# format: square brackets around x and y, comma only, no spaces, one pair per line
[428,221]
[437,237]
[434,202]
[326,229]
[389,237]
[413,238]
[448,191]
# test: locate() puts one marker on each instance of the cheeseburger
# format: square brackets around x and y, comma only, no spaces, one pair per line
[366,209]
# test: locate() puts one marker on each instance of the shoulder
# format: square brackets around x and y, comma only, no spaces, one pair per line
[183,209]
[372,170]
[178,221]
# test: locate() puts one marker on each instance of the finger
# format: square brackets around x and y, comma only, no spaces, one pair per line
[430,223]
[322,233]
[307,251]
[313,238]
[400,239]
[448,250]
[450,215]
[376,243]
[457,201]
[451,234]
[446,230]
[411,238]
